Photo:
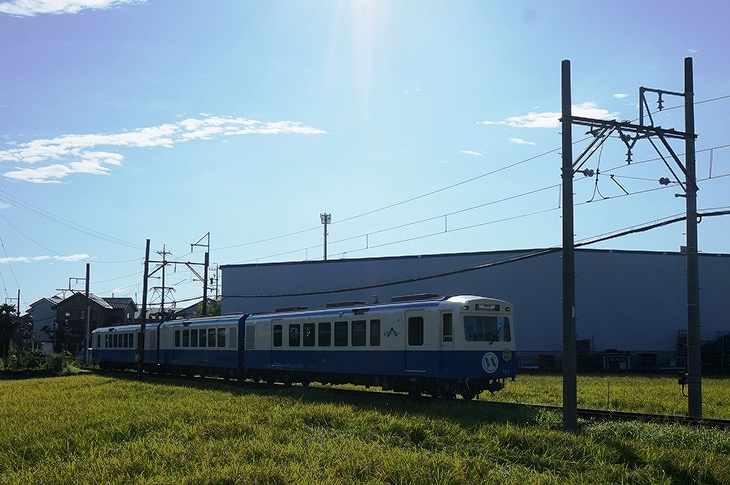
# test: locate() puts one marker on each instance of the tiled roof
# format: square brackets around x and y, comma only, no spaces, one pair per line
[118,303]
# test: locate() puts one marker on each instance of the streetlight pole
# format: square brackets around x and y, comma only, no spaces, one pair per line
[325,219]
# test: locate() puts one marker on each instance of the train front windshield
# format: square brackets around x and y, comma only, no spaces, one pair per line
[480,328]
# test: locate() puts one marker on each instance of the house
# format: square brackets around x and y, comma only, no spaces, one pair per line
[42,314]
[71,318]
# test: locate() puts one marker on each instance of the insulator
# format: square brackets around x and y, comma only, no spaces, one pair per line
[664,181]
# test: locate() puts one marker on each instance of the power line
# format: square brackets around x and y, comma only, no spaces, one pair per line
[15,201]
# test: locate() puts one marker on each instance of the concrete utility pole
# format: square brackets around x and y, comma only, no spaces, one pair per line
[325,219]
[694,356]
[629,134]
[205,264]
[87,360]
[570,399]
[143,324]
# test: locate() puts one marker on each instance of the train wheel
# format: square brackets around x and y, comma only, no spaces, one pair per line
[447,395]
[468,395]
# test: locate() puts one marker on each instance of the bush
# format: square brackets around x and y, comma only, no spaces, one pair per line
[30,360]
[36,360]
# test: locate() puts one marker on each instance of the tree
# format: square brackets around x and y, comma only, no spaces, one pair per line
[214,309]
[9,323]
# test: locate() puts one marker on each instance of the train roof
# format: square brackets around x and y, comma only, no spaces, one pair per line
[361,308]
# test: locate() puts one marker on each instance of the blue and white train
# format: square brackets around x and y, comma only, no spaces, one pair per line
[432,345]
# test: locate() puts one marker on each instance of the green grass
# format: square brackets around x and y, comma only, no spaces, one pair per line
[630,392]
[91,429]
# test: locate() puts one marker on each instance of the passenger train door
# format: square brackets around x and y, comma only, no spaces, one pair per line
[415,355]
[447,361]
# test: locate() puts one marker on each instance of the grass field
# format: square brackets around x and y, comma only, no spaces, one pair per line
[92,429]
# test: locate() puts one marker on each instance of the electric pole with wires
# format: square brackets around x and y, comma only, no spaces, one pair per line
[659,138]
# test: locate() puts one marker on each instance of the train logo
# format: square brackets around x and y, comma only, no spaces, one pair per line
[490,363]
[390,332]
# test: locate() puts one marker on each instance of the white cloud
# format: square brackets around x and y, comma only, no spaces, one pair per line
[620,95]
[69,154]
[551,119]
[472,153]
[31,8]
[520,141]
[72,258]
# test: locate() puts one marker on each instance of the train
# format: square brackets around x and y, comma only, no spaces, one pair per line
[417,344]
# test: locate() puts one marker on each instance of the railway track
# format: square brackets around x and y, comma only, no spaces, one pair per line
[589,415]
[597,415]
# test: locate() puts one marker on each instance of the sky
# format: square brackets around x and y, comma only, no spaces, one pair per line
[421,126]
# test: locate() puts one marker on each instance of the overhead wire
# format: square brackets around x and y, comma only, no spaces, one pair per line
[490,264]
[21,204]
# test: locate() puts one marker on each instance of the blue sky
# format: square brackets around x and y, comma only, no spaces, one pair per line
[421,126]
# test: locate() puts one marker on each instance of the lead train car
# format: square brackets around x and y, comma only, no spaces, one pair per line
[441,346]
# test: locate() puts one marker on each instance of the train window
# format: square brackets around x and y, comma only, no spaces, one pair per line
[115,341]
[277,335]
[221,337]
[250,337]
[186,338]
[294,334]
[131,340]
[324,337]
[177,338]
[106,341]
[447,332]
[234,338]
[341,334]
[308,336]
[98,341]
[359,335]
[126,340]
[375,333]
[487,328]
[194,338]
[211,337]
[415,331]
[202,341]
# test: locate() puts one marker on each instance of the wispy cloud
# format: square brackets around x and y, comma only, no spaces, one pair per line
[620,95]
[69,154]
[72,258]
[472,153]
[551,119]
[520,141]
[31,8]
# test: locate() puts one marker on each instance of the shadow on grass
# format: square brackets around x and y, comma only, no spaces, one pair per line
[465,413]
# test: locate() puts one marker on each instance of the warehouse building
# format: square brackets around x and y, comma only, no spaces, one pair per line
[631,306]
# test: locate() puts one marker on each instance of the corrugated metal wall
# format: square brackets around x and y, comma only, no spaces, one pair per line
[627,300]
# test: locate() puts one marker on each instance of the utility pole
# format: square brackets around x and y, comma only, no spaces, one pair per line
[87,360]
[325,219]
[570,399]
[630,133]
[143,323]
[163,290]
[694,355]
[205,264]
